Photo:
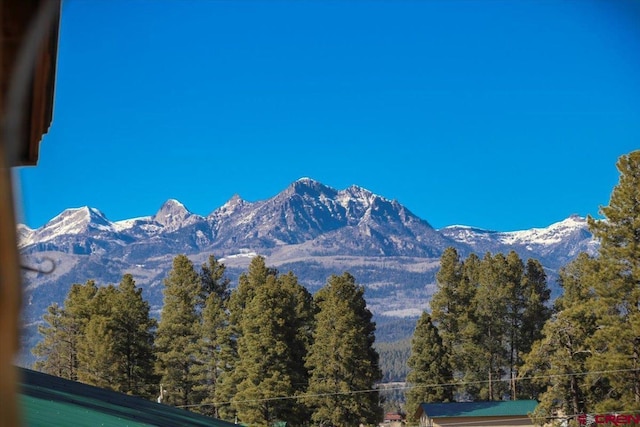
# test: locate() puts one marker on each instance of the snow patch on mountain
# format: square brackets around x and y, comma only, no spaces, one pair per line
[73,221]
[555,233]
[128,224]
[405,312]
[242,254]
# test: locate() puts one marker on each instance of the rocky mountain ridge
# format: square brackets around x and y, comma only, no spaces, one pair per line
[309,228]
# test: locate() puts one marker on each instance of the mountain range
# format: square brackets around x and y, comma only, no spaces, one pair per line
[308,228]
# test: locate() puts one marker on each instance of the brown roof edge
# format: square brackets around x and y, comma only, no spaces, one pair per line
[36,106]
[42,93]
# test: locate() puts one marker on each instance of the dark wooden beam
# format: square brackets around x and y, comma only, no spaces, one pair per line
[16,19]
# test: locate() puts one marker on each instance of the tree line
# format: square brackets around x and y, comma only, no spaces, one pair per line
[485,314]
[492,333]
[264,352]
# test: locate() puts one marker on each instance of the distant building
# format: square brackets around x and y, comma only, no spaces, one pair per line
[477,414]
[393,419]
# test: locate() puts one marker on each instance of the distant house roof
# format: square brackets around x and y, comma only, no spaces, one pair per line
[478,409]
[391,416]
[46,400]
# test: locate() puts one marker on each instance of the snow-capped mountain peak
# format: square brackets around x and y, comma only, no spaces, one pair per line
[171,207]
[307,187]
[552,234]
[76,220]
[173,215]
[73,221]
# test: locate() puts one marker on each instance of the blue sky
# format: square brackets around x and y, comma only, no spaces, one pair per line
[503,115]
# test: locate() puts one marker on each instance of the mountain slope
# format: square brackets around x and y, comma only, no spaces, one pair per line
[309,228]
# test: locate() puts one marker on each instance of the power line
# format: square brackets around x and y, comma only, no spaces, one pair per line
[405,387]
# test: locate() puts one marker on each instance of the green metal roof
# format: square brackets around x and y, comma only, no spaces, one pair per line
[479,409]
[46,400]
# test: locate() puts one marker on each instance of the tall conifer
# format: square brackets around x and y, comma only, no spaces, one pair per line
[54,352]
[214,299]
[59,350]
[270,370]
[248,282]
[134,329]
[178,333]
[430,377]
[342,361]
[617,342]
[554,368]
[96,348]
[491,304]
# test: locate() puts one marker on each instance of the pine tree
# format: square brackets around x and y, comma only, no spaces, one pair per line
[178,332]
[58,351]
[516,304]
[453,311]
[616,343]
[536,310]
[214,299]
[96,346]
[536,313]
[255,277]
[101,337]
[342,361]
[430,376]
[214,281]
[299,339]
[54,352]
[554,368]
[468,368]
[446,305]
[265,361]
[491,304]
[134,330]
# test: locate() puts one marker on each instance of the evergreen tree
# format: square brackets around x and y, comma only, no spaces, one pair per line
[134,329]
[342,361]
[96,347]
[468,368]
[268,364]
[178,332]
[102,337]
[536,310]
[255,277]
[393,360]
[58,351]
[299,340]
[214,296]
[553,371]
[446,305]
[429,365]
[214,281]
[516,304]
[54,351]
[535,315]
[453,311]
[616,343]
[491,304]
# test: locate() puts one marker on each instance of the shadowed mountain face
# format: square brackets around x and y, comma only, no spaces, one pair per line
[309,228]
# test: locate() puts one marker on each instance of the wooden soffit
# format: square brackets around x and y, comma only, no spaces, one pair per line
[17,19]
